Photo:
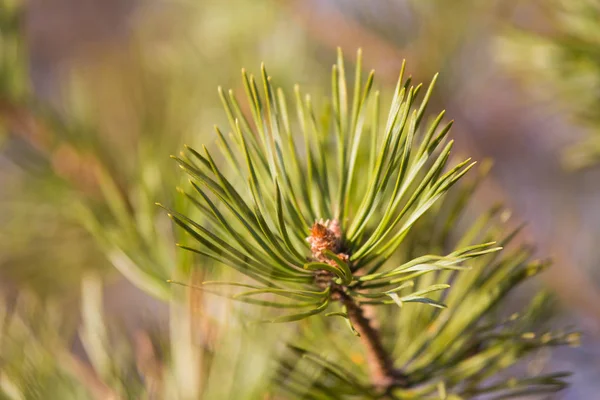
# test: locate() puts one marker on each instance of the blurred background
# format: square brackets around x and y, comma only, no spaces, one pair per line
[95,96]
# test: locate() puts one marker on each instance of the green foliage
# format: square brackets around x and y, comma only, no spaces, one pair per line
[376,183]
[465,347]
[286,196]
[34,350]
[13,66]
[562,63]
[38,361]
[79,197]
[86,173]
[431,281]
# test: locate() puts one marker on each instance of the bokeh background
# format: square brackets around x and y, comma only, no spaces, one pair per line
[125,83]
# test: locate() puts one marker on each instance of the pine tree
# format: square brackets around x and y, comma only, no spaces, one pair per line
[348,236]
[321,213]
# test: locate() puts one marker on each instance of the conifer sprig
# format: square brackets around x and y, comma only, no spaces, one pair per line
[257,220]
[452,353]
[320,213]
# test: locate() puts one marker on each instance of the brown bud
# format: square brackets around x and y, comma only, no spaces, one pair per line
[326,235]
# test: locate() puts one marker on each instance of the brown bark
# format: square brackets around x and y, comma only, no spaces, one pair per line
[381,366]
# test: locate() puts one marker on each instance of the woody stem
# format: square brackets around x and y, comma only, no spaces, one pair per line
[381,367]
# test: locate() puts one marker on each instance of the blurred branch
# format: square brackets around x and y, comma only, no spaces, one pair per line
[86,375]
[148,364]
[78,169]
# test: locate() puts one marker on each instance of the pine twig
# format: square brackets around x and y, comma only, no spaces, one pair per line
[381,366]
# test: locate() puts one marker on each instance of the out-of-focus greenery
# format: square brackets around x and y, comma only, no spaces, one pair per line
[98,156]
[39,360]
[83,172]
[560,62]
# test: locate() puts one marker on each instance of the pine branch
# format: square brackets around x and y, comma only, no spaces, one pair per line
[354,258]
[381,366]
